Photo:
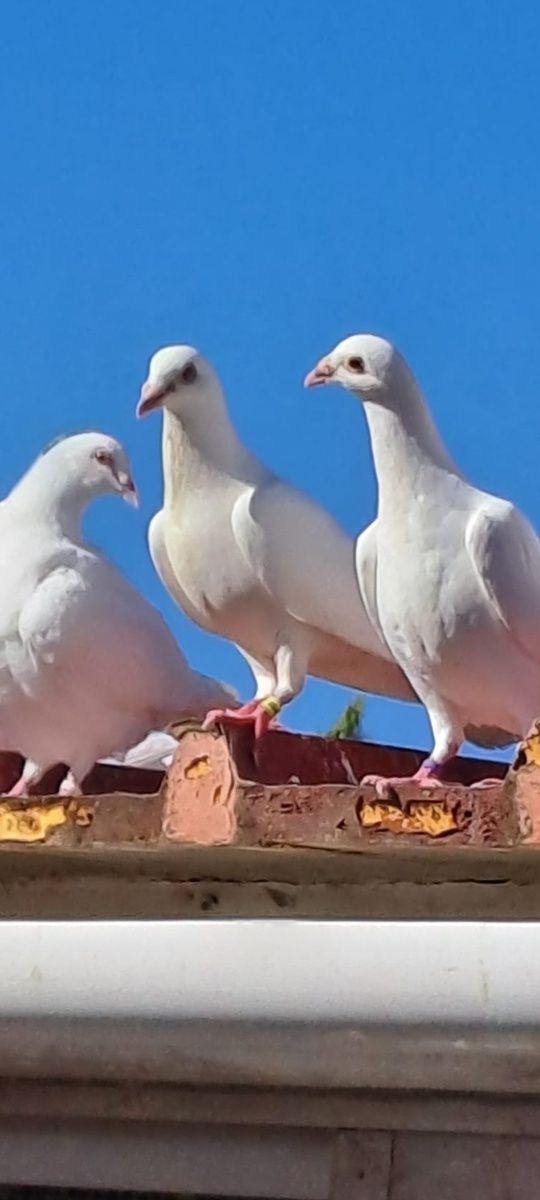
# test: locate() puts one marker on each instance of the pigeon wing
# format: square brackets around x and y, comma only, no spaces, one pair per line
[304,560]
[79,622]
[505,554]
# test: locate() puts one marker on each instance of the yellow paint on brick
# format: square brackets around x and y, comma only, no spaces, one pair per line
[31,822]
[531,746]
[419,817]
[198,767]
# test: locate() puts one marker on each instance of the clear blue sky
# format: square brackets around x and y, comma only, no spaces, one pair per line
[261,179]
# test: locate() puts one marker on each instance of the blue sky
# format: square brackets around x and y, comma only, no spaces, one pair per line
[261,179]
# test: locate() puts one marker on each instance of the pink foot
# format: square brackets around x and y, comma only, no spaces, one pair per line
[427,776]
[253,713]
[487,783]
[244,715]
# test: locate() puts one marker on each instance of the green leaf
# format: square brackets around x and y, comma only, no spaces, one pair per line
[349,723]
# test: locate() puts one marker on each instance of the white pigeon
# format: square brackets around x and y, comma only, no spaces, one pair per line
[247,556]
[87,665]
[452,576]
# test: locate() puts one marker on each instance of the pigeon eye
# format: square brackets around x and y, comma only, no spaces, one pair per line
[357,365]
[103,456]
[189,374]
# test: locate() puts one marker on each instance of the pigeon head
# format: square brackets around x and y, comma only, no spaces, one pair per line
[177,377]
[90,463]
[362,363]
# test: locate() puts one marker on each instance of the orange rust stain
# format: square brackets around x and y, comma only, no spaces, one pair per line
[421,817]
[198,767]
[83,814]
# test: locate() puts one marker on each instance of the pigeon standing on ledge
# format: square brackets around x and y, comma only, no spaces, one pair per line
[454,584]
[248,557]
[87,666]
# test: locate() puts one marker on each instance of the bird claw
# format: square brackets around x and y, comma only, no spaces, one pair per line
[243,715]
[253,713]
[426,777]
[263,721]
[386,787]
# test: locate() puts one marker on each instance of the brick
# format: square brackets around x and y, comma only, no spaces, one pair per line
[225,789]
[286,790]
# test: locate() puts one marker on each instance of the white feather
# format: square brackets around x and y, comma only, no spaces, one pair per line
[452,574]
[247,556]
[87,665]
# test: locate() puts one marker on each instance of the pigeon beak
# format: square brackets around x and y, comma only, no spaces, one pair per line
[128,489]
[152,396]
[322,373]
[131,496]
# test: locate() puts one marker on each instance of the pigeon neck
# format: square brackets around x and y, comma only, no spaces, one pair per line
[200,445]
[52,501]
[404,443]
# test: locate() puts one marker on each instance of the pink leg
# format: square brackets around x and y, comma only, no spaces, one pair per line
[32,772]
[20,788]
[263,721]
